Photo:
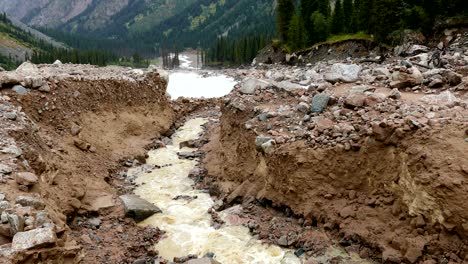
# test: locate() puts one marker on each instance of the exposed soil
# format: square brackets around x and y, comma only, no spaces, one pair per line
[84,130]
[403,199]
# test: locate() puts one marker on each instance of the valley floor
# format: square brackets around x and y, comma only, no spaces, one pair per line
[340,161]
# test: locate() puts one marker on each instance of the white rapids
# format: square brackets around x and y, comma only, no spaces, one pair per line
[187,223]
[193,85]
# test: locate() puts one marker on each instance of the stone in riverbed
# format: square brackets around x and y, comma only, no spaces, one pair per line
[20,90]
[138,208]
[340,72]
[319,103]
[33,201]
[302,107]
[16,223]
[264,144]
[26,178]
[250,85]
[35,238]
[355,99]
[406,78]
[12,116]
[205,260]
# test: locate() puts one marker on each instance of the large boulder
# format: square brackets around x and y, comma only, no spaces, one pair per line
[138,208]
[406,78]
[35,238]
[250,85]
[27,68]
[445,99]
[340,72]
[289,86]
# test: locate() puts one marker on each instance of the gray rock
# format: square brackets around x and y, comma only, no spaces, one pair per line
[436,83]
[406,63]
[355,99]
[57,62]
[75,130]
[5,169]
[319,103]
[96,222]
[138,208]
[20,90]
[362,88]
[268,146]
[27,68]
[283,241]
[264,144]
[2,196]
[26,178]
[445,99]
[4,205]
[44,88]
[16,223]
[32,201]
[262,117]
[402,80]
[453,78]
[415,49]
[380,71]
[35,238]
[11,115]
[239,106]
[343,73]
[250,85]
[205,260]
[303,107]
[42,218]
[289,86]
[12,149]
[395,94]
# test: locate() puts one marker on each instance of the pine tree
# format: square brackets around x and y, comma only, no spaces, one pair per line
[285,12]
[386,18]
[324,7]
[348,12]
[364,10]
[337,23]
[320,25]
[296,36]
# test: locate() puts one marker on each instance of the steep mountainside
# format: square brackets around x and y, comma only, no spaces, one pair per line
[152,22]
[18,42]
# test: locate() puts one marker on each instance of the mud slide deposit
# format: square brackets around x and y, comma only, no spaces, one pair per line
[65,130]
[388,179]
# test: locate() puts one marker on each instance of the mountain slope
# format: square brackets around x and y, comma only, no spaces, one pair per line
[148,24]
[18,42]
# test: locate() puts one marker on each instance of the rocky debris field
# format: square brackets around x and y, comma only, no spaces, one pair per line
[64,131]
[363,154]
[375,153]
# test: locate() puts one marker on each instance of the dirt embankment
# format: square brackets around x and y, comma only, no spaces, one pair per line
[73,136]
[400,191]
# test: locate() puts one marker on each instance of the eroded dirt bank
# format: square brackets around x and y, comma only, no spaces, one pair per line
[384,175]
[71,129]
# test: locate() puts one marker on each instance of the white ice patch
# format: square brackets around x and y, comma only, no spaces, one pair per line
[192,85]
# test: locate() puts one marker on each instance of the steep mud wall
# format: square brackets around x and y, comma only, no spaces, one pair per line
[75,138]
[406,199]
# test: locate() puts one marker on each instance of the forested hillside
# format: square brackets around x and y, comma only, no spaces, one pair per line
[17,45]
[317,20]
[144,25]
